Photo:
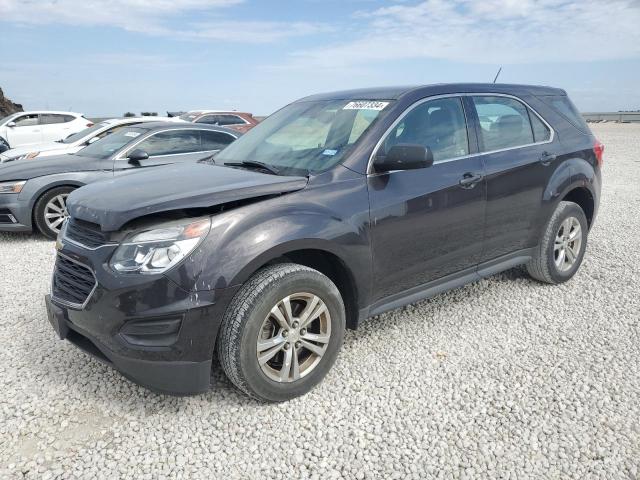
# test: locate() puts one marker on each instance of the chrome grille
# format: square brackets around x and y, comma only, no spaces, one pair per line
[85,233]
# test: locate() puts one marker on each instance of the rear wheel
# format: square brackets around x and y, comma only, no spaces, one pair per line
[50,211]
[562,246]
[282,332]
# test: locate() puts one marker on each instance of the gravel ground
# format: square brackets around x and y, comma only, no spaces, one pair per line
[506,378]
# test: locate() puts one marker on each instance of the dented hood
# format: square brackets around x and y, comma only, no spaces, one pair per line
[113,203]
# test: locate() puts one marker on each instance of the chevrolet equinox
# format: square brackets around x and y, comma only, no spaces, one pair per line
[336,208]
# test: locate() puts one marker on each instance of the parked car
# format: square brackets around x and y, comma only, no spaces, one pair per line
[338,207]
[76,141]
[4,145]
[241,121]
[30,128]
[34,194]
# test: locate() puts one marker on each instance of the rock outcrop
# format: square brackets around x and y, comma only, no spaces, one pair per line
[7,107]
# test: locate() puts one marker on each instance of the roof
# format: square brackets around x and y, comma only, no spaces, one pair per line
[57,112]
[125,120]
[394,93]
[183,125]
[201,112]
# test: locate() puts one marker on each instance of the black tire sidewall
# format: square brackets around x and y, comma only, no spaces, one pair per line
[569,210]
[302,281]
[38,211]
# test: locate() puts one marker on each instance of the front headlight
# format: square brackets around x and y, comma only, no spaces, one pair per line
[12,187]
[159,249]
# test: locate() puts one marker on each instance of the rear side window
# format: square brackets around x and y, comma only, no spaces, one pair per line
[50,119]
[171,143]
[568,110]
[438,124]
[215,140]
[541,132]
[221,120]
[504,123]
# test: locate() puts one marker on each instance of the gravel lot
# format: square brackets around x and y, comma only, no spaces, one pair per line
[506,378]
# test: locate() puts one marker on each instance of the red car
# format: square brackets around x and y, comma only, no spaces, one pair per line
[241,121]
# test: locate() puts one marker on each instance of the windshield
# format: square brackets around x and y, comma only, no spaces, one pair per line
[5,119]
[74,137]
[107,146]
[305,137]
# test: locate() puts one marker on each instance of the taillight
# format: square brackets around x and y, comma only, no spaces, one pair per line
[598,149]
[90,124]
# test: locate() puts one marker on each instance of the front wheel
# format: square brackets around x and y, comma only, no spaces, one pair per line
[50,211]
[281,332]
[562,246]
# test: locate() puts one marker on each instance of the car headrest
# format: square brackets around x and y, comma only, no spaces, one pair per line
[510,125]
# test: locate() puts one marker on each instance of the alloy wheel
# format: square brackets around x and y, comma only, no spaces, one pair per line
[55,212]
[293,337]
[567,244]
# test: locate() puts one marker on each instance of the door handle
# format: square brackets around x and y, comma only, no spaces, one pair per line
[469,180]
[546,158]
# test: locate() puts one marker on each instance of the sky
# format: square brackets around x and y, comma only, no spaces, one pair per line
[105,58]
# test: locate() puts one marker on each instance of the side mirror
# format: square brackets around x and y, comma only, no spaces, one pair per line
[137,156]
[404,156]
[11,124]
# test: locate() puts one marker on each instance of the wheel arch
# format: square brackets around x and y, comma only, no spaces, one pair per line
[47,189]
[583,197]
[319,256]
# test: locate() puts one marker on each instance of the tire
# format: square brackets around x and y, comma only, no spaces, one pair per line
[248,319]
[544,265]
[55,195]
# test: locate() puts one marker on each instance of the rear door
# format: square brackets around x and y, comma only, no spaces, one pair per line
[518,151]
[55,126]
[426,224]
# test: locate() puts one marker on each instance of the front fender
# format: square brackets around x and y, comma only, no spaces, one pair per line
[333,218]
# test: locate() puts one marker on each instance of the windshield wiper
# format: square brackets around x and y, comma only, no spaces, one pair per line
[254,164]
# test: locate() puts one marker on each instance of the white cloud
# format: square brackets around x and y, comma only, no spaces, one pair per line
[156,17]
[487,31]
[253,31]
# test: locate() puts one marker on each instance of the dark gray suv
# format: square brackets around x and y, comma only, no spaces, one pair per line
[33,193]
[336,208]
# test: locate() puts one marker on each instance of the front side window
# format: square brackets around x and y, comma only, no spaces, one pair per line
[110,144]
[306,137]
[26,120]
[438,124]
[504,123]
[171,142]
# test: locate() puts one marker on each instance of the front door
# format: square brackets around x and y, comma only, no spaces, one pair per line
[26,131]
[428,223]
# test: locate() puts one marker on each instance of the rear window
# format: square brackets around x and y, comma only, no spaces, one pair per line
[568,110]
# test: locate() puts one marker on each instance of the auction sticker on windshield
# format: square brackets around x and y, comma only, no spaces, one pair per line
[365,105]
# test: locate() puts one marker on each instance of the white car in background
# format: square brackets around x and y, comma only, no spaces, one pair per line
[30,128]
[77,141]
